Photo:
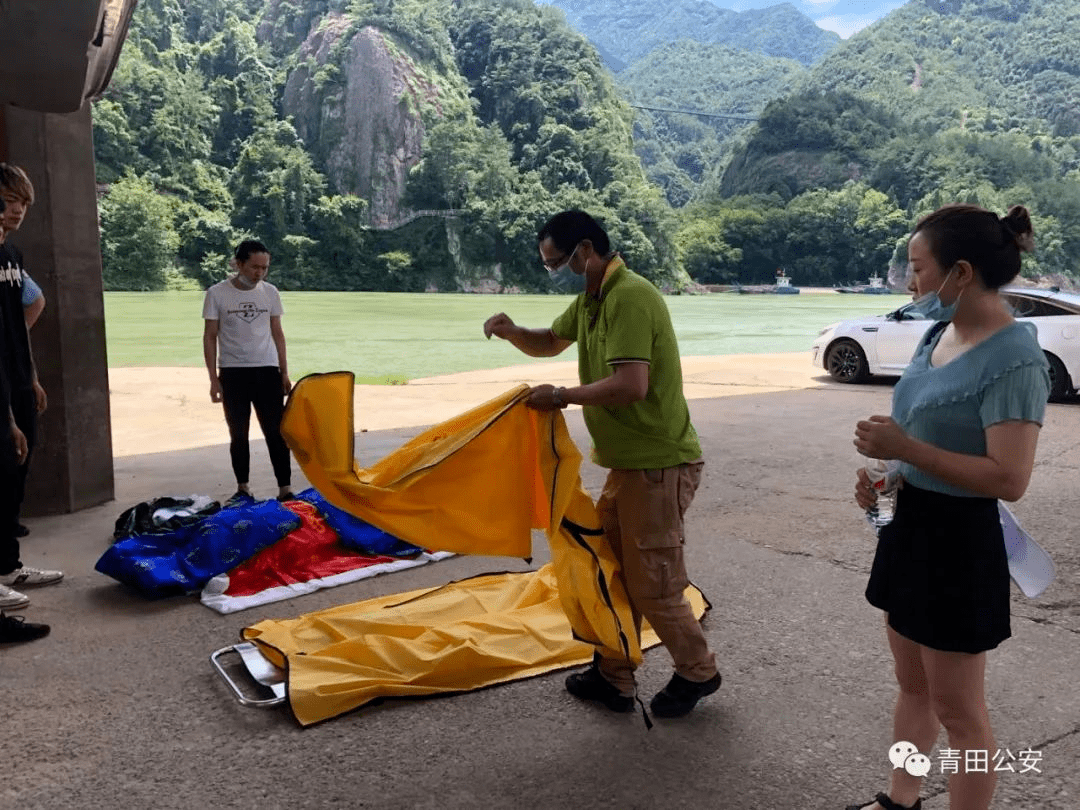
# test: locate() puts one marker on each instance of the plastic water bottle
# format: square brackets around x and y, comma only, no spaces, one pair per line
[884,479]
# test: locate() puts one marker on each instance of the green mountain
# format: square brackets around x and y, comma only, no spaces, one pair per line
[624,31]
[372,144]
[683,152]
[939,102]
[694,55]
[955,60]
[962,71]
[418,144]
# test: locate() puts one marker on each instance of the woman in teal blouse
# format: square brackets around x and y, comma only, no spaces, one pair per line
[965,421]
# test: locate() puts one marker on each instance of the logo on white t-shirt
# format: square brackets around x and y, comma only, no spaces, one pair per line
[248,311]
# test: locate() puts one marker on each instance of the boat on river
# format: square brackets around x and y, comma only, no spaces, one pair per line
[782,286]
[875,286]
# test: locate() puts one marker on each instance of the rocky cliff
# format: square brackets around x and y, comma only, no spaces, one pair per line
[356,98]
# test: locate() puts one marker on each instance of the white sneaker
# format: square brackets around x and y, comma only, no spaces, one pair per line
[11,599]
[31,576]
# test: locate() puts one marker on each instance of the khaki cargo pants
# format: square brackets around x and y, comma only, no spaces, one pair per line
[642,514]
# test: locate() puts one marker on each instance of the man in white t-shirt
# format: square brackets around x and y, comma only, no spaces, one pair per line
[244,349]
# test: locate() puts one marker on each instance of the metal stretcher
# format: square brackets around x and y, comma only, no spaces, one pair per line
[269,679]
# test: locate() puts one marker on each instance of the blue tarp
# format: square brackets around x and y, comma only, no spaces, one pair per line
[186,559]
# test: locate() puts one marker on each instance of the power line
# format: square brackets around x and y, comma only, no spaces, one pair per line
[694,112]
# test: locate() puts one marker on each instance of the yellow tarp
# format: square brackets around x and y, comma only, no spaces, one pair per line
[476,484]
[466,635]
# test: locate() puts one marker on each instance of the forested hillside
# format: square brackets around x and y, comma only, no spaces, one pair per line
[694,55]
[682,153]
[627,30]
[993,63]
[939,101]
[418,144]
[373,144]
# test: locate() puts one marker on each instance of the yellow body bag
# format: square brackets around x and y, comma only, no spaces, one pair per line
[475,484]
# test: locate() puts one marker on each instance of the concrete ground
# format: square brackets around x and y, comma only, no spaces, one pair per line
[119,706]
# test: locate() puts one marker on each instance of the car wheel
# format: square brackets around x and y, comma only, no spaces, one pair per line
[1060,384]
[846,362]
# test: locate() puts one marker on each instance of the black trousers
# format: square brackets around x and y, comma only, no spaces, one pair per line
[242,388]
[24,408]
[9,505]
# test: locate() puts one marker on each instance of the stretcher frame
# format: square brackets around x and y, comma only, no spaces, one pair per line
[259,668]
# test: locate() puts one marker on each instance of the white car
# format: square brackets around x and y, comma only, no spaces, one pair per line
[851,351]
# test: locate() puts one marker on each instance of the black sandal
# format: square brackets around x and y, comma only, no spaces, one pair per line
[884,800]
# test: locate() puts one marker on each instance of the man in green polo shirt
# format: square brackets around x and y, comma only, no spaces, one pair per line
[632,399]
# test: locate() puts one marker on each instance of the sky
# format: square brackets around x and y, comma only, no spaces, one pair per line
[845,17]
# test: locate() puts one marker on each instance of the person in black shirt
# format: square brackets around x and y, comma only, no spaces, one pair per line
[23,396]
[18,194]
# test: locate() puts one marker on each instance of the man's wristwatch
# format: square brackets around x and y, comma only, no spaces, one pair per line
[557,397]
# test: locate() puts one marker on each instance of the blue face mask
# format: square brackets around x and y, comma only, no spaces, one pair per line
[930,306]
[565,280]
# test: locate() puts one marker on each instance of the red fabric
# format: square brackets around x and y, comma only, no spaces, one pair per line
[310,552]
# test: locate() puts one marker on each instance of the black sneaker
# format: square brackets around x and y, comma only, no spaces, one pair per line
[681,695]
[16,628]
[239,498]
[288,496]
[591,685]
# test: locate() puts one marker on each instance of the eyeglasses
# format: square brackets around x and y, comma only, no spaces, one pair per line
[555,264]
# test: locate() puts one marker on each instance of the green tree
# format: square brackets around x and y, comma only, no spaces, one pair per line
[274,185]
[840,236]
[115,145]
[396,267]
[341,254]
[138,242]
[213,268]
[292,264]
[242,83]
[182,120]
[202,233]
[706,256]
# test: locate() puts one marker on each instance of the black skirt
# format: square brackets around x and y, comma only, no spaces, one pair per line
[941,572]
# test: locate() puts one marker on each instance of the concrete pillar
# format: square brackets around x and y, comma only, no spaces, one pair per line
[72,467]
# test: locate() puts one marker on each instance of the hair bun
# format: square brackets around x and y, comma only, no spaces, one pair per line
[1017,227]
